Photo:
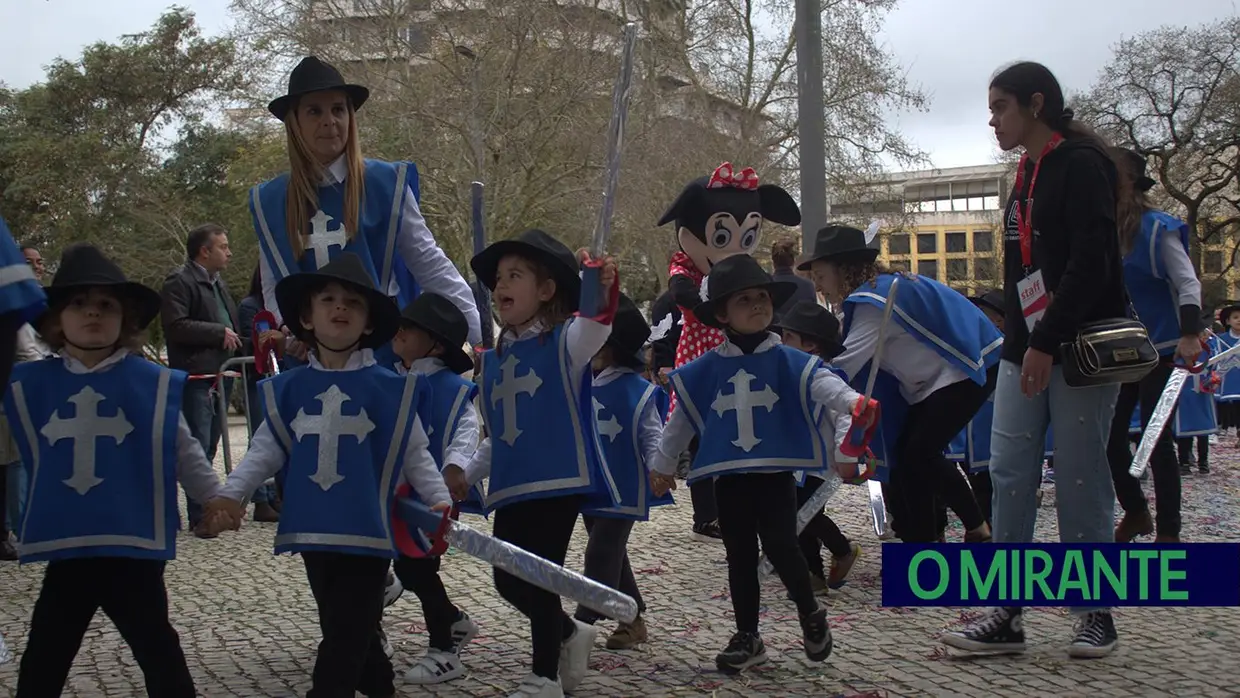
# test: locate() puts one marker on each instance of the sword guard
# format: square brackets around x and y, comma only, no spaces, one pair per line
[597,303]
[871,468]
[865,414]
[419,532]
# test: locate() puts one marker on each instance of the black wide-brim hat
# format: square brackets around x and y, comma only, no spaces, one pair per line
[441,319]
[314,75]
[1226,312]
[1136,169]
[839,243]
[84,266]
[992,299]
[811,320]
[733,274]
[347,269]
[629,332]
[535,244]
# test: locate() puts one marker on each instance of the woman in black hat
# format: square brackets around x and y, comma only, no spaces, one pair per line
[940,349]
[1228,393]
[332,426]
[333,200]
[106,541]
[540,455]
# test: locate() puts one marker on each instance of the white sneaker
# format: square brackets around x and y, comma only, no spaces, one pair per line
[575,655]
[393,590]
[436,666]
[534,686]
[387,646]
[463,630]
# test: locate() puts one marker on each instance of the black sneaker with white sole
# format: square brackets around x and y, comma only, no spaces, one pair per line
[743,651]
[708,532]
[817,635]
[1095,636]
[1000,630]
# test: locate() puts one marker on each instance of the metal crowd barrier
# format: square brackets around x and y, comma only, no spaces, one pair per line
[242,363]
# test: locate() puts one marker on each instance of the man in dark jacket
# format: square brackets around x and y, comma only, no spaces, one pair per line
[783,256]
[200,321]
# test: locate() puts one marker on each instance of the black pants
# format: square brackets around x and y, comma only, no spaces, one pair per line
[543,527]
[607,561]
[348,590]
[820,531]
[131,592]
[1185,447]
[421,575]
[1163,463]
[4,501]
[702,494]
[755,506]
[923,473]
[983,492]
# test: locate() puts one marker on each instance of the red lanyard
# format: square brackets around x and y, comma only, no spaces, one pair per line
[1024,223]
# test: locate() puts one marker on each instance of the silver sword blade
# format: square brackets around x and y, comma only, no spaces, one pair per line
[878,506]
[615,140]
[806,513]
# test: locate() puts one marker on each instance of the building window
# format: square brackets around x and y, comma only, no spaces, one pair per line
[927,243]
[983,241]
[897,243]
[986,271]
[1212,263]
[416,36]
[990,203]
[956,242]
[928,268]
[957,270]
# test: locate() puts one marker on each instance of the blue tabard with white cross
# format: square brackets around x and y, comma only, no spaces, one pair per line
[618,409]
[1229,390]
[752,413]
[450,397]
[541,430]
[345,435]
[1145,276]
[940,318]
[1195,413]
[20,292]
[101,452]
[1134,422]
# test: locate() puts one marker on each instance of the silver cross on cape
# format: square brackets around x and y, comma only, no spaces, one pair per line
[744,401]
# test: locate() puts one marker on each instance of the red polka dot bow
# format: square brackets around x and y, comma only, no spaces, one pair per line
[725,177]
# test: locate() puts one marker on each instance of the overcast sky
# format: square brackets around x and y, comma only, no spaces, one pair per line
[949,47]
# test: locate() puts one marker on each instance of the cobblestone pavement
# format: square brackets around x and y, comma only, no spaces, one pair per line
[248,624]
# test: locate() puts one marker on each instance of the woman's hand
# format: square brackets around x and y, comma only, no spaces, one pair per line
[297,349]
[1035,372]
[1189,348]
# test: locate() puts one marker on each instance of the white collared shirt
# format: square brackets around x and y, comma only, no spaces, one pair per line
[918,368]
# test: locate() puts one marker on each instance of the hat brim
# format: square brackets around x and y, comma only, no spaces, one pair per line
[781,292]
[1144,183]
[279,106]
[486,267]
[624,356]
[144,301]
[454,357]
[983,303]
[868,254]
[826,347]
[384,317]
[1226,312]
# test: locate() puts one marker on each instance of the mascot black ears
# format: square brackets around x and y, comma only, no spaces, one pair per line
[721,215]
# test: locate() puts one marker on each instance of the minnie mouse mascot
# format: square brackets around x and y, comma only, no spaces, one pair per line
[716,217]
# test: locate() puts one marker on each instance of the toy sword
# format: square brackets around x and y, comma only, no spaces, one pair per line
[442,531]
[592,301]
[829,486]
[482,295]
[878,507]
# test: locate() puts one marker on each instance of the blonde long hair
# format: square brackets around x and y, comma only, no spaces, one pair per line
[305,173]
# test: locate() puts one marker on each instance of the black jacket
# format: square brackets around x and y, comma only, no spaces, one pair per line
[1075,245]
[190,316]
[665,348]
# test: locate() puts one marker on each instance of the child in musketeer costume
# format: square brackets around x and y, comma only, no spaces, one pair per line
[102,430]
[1196,418]
[716,217]
[22,299]
[1228,393]
[942,353]
[432,332]
[812,329]
[629,413]
[541,454]
[332,200]
[751,401]
[345,431]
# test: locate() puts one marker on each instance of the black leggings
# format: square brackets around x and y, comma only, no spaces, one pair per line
[820,531]
[1163,462]
[348,591]
[983,492]
[607,561]
[421,575]
[543,527]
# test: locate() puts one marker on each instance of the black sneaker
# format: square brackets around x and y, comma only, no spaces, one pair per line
[1186,468]
[708,532]
[743,651]
[817,635]
[1204,469]
[1000,630]
[1095,636]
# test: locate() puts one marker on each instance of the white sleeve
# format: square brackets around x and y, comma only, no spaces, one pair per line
[465,441]
[431,267]
[585,338]
[420,470]
[262,461]
[479,466]
[267,278]
[194,471]
[830,391]
[650,432]
[673,441]
[861,340]
[1180,270]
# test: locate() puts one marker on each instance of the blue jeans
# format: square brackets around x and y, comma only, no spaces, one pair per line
[199,406]
[1084,495]
[16,482]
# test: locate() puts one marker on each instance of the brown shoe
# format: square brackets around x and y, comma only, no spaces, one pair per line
[265,513]
[981,534]
[841,566]
[8,552]
[1133,525]
[628,635]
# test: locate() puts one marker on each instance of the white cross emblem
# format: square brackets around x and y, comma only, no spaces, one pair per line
[744,401]
[506,391]
[83,428]
[323,239]
[611,427]
[330,426]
